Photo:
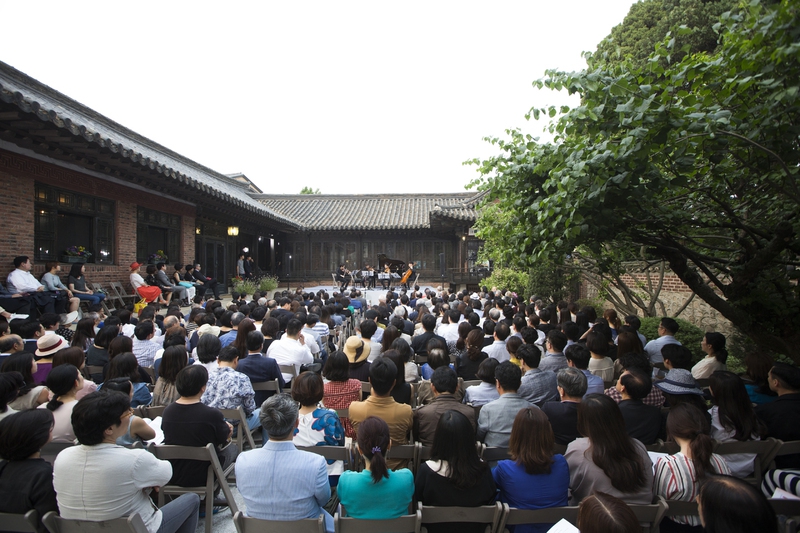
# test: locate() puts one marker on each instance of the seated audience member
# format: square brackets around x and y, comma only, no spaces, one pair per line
[444,383]
[291,349]
[188,422]
[467,364]
[533,478]
[399,416]
[782,417]
[755,376]
[21,281]
[666,336]
[258,368]
[339,389]
[208,348]
[30,331]
[563,415]
[84,334]
[578,357]
[680,387]
[145,290]
[124,365]
[677,356]
[367,330]
[454,475]
[603,513]
[420,342]
[30,396]
[733,418]
[229,389]
[486,390]
[308,491]
[599,364]
[116,481]
[401,392]
[678,476]
[375,493]
[538,386]
[26,480]
[10,344]
[10,385]
[138,429]
[144,347]
[46,347]
[15,303]
[713,344]
[497,349]
[643,422]
[357,352]
[729,505]
[64,383]
[77,284]
[554,359]
[75,357]
[497,417]
[229,337]
[634,360]
[317,426]
[607,459]
[172,362]
[97,354]
[437,358]
[54,286]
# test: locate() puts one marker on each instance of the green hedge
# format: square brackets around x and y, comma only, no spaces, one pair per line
[688,334]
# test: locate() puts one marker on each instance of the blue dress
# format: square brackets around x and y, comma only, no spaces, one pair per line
[538,491]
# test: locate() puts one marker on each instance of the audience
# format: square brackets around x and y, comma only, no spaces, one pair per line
[666,336]
[497,417]
[26,480]
[125,365]
[444,383]
[30,395]
[599,364]
[533,478]
[339,389]
[258,368]
[578,357]
[729,505]
[554,359]
[563,415]
[64,383]
[115,481]
[603,513]
[304,488]
[606,458]
[454,475]
[10,385]
[642,422]
[486,390]
[229,389]
[782,417]
[537,386]
[467,364]
[375,493]
[172,362]
[713,344]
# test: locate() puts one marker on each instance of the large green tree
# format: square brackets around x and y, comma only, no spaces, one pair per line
[695,161]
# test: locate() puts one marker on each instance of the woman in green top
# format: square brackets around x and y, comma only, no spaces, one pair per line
[375,493]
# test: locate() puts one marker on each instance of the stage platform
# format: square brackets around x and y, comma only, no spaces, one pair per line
[371,295]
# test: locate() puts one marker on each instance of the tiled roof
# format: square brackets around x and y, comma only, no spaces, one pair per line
[327,212]
[49,105]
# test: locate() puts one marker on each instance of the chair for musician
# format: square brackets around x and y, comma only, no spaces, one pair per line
[22,523]
[216,477]
[491,515]
[405,524]
[56,524]
[246,524]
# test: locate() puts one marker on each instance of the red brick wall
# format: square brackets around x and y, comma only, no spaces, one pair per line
[17,177]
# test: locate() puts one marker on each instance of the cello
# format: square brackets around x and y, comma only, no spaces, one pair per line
[407,275]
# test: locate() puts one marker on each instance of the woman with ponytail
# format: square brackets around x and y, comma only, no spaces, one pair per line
[375,493]
[678,477]
[64,382]
[713,344]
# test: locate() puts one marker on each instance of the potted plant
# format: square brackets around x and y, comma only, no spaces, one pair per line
[158,257]
[76,254]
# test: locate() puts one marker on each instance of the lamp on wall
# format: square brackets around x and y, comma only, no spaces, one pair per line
[233,231]
[197,231]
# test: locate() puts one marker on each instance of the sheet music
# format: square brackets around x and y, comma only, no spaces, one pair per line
[155,424]
[563,526]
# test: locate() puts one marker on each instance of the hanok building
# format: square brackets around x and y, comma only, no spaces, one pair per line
[72,177]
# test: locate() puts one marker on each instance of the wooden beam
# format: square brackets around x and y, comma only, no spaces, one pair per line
[10,115]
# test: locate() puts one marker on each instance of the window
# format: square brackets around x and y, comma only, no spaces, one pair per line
[64,219]
[157,231]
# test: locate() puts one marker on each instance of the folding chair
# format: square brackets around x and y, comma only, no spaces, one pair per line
[550,515]
[790,509]
[237,415]
[271,385]
[650,514]
[405,524]
[110,296]
[334,453]
[151,412]
[22,523]
[472,382]
[246,524]
[405,451]
[791,447]
[765,451]
[215,476]
[292,371]
[366,388]
[486,514]
[93,370]
[681,508]
[122,294]
[495,453]
[56,524]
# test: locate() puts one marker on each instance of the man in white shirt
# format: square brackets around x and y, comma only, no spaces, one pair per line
[450,330]
[666,331]
[291,349]
[497,349]
[21,281]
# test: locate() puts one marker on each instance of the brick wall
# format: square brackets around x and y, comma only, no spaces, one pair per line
[18,175]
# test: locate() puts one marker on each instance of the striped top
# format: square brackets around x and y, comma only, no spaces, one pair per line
[675,479]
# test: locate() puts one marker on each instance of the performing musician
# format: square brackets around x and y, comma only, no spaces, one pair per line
[407,276]
[343,277]
[386,282]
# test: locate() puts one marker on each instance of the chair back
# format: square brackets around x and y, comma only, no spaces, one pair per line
[334,453]
[288,369]
[366,387]
[246,524]
[472,382]
[271,385]
[650,514]
[56,524]
[152,412]
[94,369]
[791,447]
[22,523]
[681,508]
[405,524]
[242,431]
[490,515]
[52,449]
[495,453]
[765,451]
[405,451]
[550,515]
[150,371]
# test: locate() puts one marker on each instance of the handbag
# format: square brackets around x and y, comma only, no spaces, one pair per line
[186,284]
[138,306]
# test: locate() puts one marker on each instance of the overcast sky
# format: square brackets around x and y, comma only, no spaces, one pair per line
[347,97]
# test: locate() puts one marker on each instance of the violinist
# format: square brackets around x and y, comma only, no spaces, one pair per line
[343,277]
